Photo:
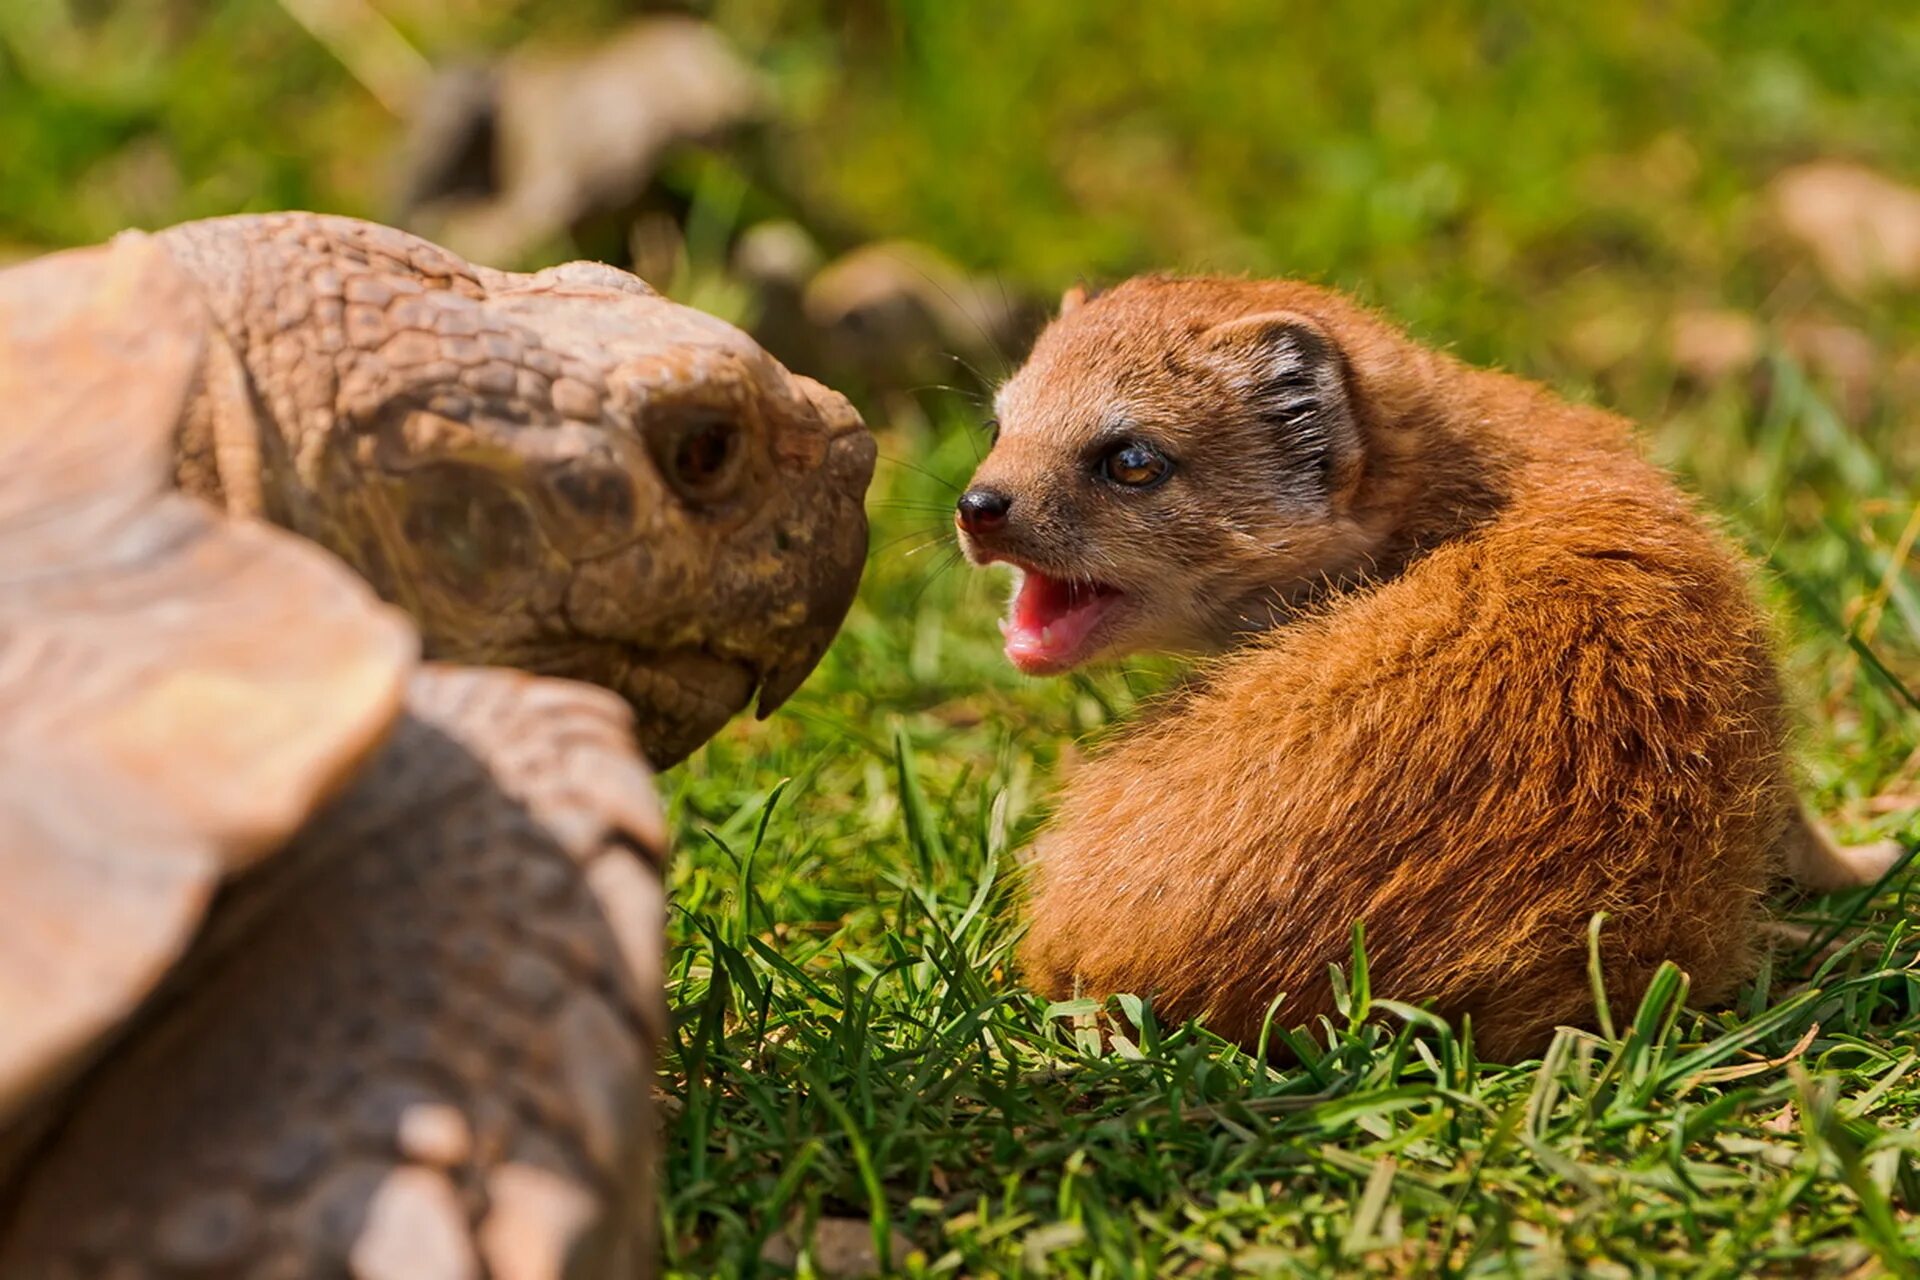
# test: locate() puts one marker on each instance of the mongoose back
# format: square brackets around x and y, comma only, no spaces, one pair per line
[1473,670]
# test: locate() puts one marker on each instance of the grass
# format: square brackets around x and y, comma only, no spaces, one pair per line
[851,1043]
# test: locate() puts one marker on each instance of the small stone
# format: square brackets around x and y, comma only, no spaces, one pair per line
[840,1247]
[1861,227]
[435,1133]
[1712,346]
[844,1247]
[415,1230]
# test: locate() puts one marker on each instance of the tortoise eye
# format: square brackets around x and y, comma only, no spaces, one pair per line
[701,458]
[1135,464]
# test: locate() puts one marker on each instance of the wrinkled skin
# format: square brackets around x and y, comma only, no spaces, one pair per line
[562,472]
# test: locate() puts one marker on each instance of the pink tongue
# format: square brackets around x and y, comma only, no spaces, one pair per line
[1049,622]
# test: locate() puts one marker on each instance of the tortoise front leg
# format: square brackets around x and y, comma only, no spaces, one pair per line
[422,1042]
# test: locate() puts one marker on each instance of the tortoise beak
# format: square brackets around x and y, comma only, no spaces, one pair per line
[828,609]
[836,565]
[780,683]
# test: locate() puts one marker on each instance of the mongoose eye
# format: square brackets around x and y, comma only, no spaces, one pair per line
[701,457]
[1135,465]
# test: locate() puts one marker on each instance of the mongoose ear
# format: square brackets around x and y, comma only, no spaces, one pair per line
[1293,373]
[1077,296]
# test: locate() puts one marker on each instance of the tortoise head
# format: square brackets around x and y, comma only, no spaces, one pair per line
[567,473]
[651,503]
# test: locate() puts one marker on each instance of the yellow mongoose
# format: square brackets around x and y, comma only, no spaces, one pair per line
[1476,671]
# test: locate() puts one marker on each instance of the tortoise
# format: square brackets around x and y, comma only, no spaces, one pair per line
[318,958]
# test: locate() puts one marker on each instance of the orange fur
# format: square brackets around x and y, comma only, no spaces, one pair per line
[1530,684]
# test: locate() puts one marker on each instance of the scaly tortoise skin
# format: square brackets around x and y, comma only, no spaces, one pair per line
[316,960]
[511,459]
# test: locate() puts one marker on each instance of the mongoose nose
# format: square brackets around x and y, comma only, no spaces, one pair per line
[982,510]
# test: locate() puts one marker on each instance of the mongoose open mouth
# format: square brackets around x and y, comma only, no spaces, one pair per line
[1052,623]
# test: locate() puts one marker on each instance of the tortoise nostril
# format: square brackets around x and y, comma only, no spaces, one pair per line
[980,510]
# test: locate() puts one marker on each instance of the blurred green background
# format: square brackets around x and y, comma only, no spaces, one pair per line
[1465,165]
[1590,195]
[1702,213]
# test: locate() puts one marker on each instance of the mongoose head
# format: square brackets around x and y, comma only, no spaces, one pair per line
[1177,465]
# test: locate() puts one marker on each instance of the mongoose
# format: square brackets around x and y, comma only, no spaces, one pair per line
[1472,670]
